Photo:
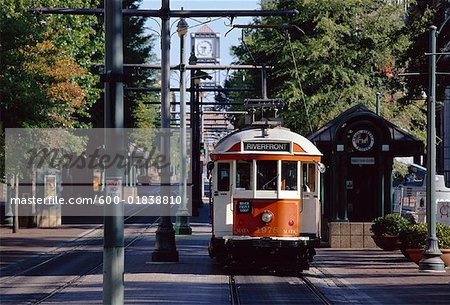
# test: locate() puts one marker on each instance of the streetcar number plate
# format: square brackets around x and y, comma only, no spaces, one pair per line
[244,207]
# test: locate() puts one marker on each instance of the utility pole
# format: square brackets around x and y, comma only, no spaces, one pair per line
[182,226]
[194,119]
[113,244]
[165,247]
[431,261]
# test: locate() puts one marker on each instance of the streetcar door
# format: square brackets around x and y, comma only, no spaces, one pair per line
[310,215]
[223,213]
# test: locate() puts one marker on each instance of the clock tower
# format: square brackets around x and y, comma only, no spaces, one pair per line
[206,44]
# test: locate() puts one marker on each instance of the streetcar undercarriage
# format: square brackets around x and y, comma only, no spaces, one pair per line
[292,255]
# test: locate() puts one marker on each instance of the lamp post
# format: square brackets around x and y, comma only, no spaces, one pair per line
[431,261]
[165,247]
[182,226]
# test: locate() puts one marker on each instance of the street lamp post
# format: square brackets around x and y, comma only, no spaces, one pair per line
[165,247]
[182,226]
[431,261]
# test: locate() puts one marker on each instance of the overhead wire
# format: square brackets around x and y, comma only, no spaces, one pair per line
[302,94]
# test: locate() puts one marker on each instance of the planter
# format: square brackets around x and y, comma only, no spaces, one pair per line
[446,257]
[387,242]
[414,255]
[403,250]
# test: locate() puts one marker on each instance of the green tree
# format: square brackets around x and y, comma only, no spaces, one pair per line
[348,50]
[45,63]
[420,17]
[138,47]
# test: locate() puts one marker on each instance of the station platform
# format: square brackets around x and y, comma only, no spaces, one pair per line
[356,276]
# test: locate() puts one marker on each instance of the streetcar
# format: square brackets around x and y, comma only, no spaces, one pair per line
[265,198]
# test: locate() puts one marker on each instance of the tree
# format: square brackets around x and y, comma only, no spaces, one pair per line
[46,80]
[348,51]
[138,49]
[420,17]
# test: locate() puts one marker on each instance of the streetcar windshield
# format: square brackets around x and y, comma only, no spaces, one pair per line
[243,175]
[267,174]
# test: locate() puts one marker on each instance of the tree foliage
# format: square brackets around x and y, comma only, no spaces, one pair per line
[344,53]
[45,80]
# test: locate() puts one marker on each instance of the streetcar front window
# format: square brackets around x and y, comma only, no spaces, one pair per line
[267,175]
[289,175]
[223,177]
[243,175]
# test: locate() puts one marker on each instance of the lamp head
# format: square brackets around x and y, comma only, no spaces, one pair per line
[182,27]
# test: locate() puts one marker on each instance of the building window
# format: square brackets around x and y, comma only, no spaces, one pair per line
[289,175]
[267,174]
[243,175]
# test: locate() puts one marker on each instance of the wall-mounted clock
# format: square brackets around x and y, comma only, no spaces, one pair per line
[363,140]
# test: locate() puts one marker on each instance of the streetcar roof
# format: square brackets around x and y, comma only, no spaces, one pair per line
[275,134]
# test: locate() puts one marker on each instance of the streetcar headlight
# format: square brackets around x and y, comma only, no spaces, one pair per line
[267,216]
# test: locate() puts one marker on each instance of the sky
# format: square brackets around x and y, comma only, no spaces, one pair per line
[220,26]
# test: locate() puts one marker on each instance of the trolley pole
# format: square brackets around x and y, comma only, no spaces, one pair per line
[431,261]
[113,245]
[165,247]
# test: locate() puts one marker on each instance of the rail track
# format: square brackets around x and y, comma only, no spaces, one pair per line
[86,247]
[252,289]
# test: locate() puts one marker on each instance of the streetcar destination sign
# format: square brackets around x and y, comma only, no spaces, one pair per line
[267,146]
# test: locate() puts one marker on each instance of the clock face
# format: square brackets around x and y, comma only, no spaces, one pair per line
[204,48]
[363,140]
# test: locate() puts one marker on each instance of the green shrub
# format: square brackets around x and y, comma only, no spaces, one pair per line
[391,224]
[414,236]
[443,233]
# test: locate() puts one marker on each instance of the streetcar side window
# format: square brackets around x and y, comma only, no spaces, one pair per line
[267,174]
[309,177]
[289,175]
[223,177]
[243,175]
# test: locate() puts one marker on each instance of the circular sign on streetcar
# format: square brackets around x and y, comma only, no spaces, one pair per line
[363,140]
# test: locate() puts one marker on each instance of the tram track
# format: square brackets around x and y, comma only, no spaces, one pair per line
[274,289]
[315,290]
[86,239]
[234,291]
[92,270]
[87,248]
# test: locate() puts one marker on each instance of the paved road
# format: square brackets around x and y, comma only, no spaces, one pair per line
[40,276]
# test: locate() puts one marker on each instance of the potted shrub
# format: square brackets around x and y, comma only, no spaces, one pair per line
[414,241]
[386,231]
[443,233]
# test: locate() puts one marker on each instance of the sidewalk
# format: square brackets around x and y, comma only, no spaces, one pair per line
[363,276]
